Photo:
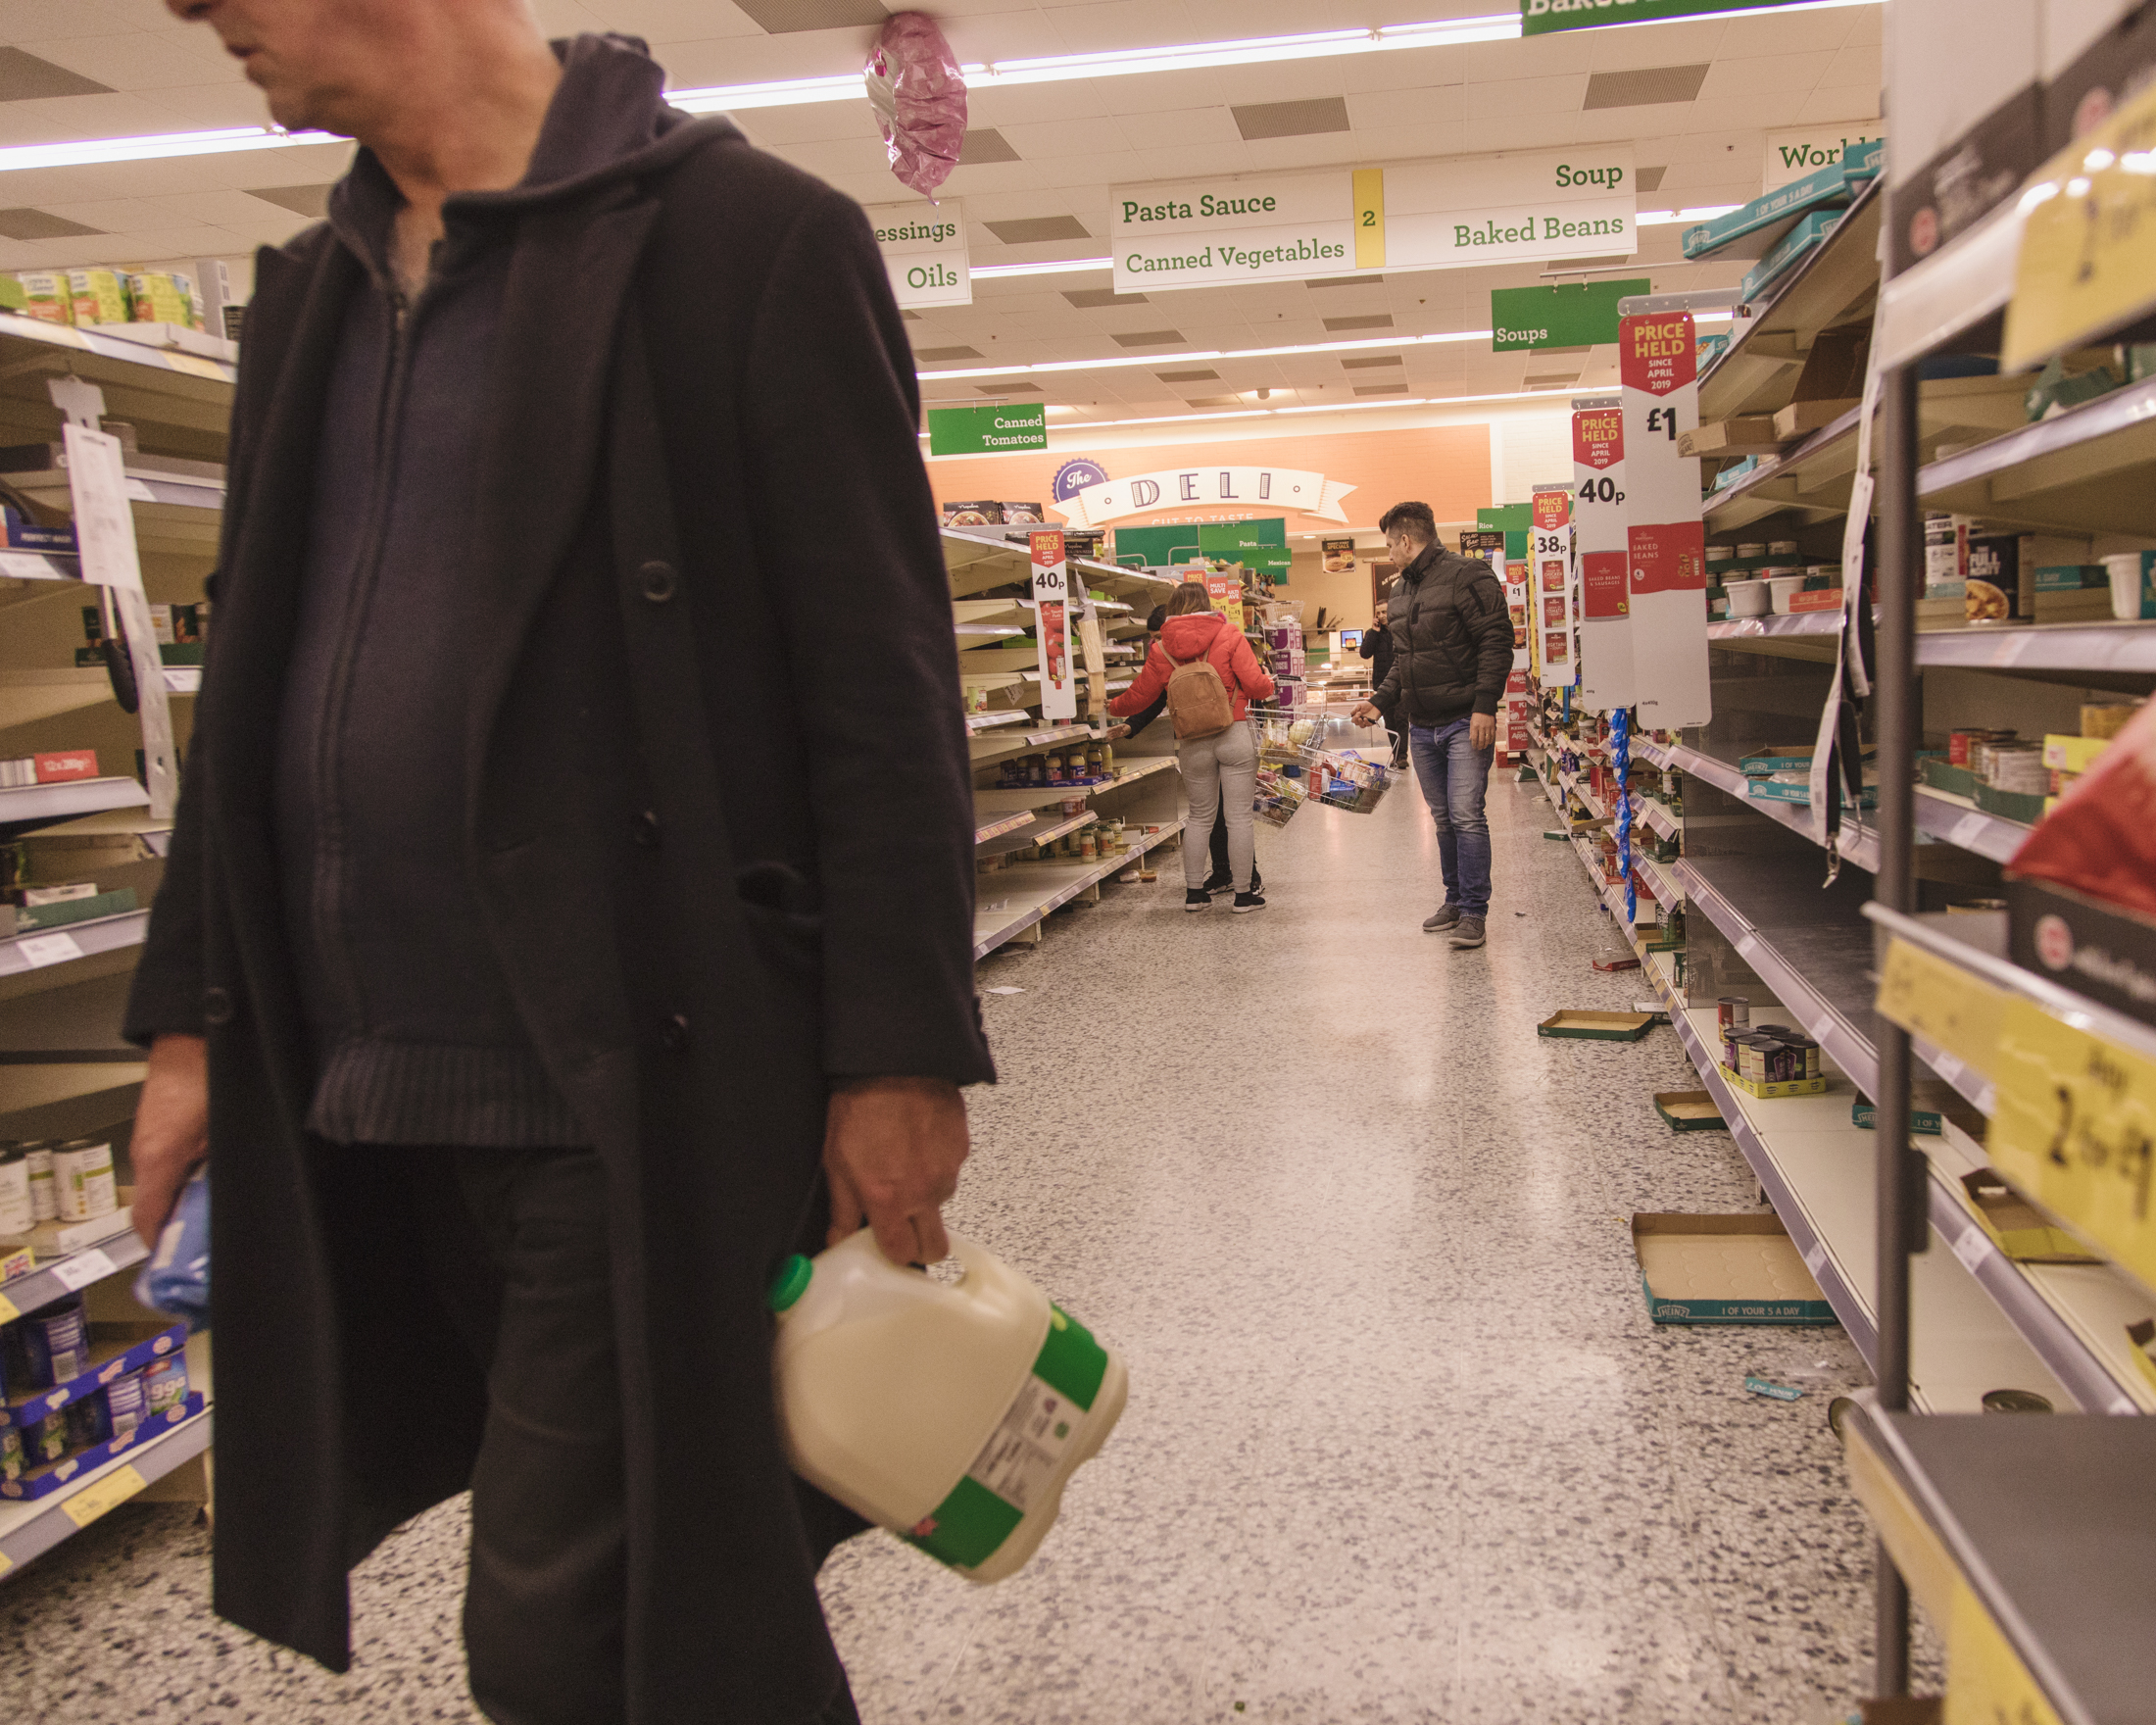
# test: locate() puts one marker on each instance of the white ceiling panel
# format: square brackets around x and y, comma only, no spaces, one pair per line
[139,61]
[1527,97]
[1094,28]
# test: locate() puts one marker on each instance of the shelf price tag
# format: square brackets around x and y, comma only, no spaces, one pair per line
[1987,1684]
[40,950]
[79,1271]
[106,1493]
[2075,1129]
[2087,260]
[1941,1003]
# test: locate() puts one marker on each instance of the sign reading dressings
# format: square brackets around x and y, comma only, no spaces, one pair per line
[1051,623]
[1606,674]
[1665,543]
[923,247]
[1549,557]
[1457,212]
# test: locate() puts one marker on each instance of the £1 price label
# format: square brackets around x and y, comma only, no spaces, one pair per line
[2075,1128]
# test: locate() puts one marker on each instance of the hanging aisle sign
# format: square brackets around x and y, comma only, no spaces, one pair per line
[1108,500]
[1541,16]
[1452,212]
[923,247]
[1665,542]
[1607,679]
[1051,623]
[1550,556]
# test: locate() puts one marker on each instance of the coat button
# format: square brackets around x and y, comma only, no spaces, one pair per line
[673,1034]
[216,1006]
[646,828]
[660,582]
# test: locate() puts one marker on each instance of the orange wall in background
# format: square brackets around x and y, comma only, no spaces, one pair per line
[1446,466]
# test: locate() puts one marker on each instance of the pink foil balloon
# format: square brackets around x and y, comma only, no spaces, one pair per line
[919,96]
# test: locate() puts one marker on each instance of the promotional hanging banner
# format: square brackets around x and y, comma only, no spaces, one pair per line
[1549,561]
[1453,211]
[923,248]
[1607,678]
[1665,541]
[1051,623]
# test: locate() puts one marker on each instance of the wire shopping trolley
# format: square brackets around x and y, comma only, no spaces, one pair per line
[1328,756]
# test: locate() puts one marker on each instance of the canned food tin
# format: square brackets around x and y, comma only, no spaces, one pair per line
[56,1342]
[1752,1059]
[88,1422]
[2015,1401]
[126,1402]
[1806,1051]
[11,1453]
[1751,552]
[1959,744]
[1774,1060]
[1783,547]
[2017,767]
[16,1214]
[165,1384]
[1733,1011]
[44,1202]
[82,1179]
[46,1440]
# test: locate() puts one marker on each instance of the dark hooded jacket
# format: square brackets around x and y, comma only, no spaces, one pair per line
[704,809]
[1451,641]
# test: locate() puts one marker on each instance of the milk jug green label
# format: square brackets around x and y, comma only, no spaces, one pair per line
[1024,1453]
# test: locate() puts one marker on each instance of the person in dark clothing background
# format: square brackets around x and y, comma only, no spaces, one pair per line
[525,1022]
[1452,654]
[1377,648]
[1222,875]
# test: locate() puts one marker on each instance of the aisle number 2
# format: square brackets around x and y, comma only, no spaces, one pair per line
[2075,1128]
[1369,218]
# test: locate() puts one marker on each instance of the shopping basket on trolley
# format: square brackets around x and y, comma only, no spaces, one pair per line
[1332,759]
[1279,798]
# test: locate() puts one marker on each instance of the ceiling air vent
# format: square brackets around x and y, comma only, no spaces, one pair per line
[1647,88]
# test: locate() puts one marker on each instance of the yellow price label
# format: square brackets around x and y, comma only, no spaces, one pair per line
[6,1562]
[2075,1128]
[1987,1684]
[2087,260]
[8,1310]
[1369,218]
[108,1494]
[1941,1003]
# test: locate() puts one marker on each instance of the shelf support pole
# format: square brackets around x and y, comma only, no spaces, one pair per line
[1900,1173]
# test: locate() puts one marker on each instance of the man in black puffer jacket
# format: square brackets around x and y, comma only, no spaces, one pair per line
[1451,652]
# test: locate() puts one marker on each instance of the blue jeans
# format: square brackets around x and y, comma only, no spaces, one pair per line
[1454,776]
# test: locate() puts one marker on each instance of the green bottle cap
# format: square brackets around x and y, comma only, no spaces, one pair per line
[791,1282]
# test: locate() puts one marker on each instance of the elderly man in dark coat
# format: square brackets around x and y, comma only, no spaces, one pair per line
[570,907]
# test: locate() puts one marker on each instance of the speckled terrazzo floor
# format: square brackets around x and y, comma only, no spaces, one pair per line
[1402,1445]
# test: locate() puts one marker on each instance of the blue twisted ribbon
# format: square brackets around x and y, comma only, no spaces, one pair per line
[1620,755]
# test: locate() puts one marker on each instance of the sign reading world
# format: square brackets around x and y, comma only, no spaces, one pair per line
[923,248]
[1453,212]
[1107,499]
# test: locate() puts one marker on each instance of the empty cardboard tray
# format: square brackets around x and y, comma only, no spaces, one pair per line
[1598,1027]
[1690,1110]
[1725,1270]
[2017,1227]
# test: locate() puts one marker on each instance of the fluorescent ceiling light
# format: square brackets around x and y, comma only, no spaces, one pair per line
[1124,62]
[88,151]
[1664,217]
[1242,353]
[1054,267]
[1564,391]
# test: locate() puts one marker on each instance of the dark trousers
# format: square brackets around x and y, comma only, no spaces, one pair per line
[544,1606]
[1222,869]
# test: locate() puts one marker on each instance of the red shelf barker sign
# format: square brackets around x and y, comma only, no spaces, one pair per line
[1665,541]
[1051,623]
[1606,680]
[1549,558]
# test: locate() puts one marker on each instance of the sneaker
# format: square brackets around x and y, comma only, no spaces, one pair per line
[1219,883]
[1443,917]
[1469,932]
[1252,901]
[1196,898]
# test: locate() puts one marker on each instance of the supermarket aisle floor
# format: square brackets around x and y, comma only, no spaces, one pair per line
[1402,1444]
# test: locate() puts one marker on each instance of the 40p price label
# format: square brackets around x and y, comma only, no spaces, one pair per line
[2075,1129]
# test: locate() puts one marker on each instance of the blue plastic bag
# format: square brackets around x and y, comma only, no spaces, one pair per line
[176,1279]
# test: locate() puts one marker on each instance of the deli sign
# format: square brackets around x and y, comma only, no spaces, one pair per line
[1290,488]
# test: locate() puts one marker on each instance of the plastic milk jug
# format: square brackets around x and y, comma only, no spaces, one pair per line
[950,1411]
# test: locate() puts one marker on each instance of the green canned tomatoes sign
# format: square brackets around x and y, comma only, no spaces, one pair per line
[1453,212]
[989,430]
[1541,16]
[1566,315]
[923,248]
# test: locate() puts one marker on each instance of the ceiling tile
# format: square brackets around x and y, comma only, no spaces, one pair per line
[783,17]
[42,225]
[1525,96]
[1088,299]
[931,355]
[1122,23]
[985,144]
[1199,375]
[311,201]
[25,77]
[1367,320]
[1372,363]
[1150,338]
[1380,389]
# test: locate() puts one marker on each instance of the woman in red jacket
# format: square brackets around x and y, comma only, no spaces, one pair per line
[1218,771]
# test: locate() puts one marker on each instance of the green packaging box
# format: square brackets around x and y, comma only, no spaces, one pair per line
[1925,1121]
